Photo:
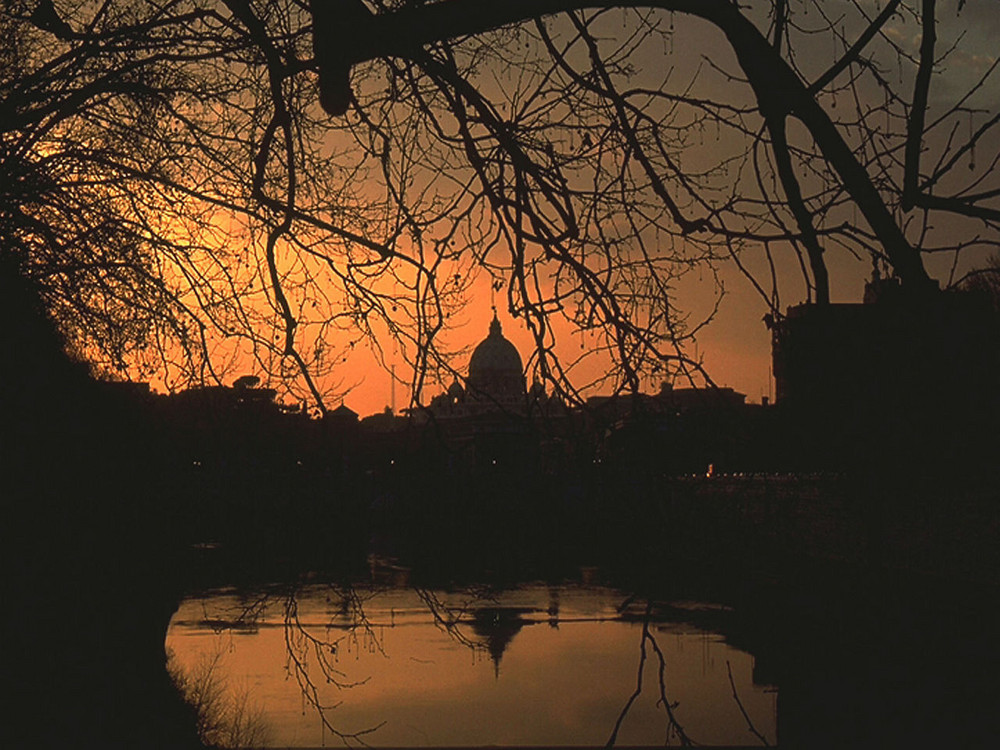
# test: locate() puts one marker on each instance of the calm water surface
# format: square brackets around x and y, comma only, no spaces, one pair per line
[539,665]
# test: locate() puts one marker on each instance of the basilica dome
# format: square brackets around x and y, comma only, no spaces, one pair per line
[495,354]
[495,370]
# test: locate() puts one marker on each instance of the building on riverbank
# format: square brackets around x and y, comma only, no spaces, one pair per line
[899,377]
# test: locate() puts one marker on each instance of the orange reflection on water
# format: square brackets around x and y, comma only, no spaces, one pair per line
[536,666]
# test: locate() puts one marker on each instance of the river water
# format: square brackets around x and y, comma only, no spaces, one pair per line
[568,663]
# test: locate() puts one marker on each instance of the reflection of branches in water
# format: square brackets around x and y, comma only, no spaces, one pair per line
[305,650]
[310,658]
[674,729]
[736,697]
[354,621]
[448,617]
[251,611]
[312,655]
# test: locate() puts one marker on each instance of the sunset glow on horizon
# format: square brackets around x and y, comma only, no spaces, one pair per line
[391,210]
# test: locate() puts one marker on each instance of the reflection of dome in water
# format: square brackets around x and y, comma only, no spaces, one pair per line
[497,626]
[495,370]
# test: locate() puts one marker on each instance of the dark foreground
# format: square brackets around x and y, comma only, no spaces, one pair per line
[869,601]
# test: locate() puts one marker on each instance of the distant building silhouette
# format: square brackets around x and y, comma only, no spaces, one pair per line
[342,415]
[893,351]
[678,430]
[495,382]
[496,375]
[496,421]
[485,423]
[913,371]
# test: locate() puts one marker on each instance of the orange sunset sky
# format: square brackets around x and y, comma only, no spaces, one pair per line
[735,346]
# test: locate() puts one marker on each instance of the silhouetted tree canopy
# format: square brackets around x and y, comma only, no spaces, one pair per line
[985,280]
[172,180]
